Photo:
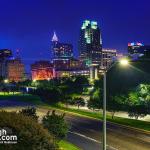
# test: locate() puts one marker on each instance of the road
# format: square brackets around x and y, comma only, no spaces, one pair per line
[86,133]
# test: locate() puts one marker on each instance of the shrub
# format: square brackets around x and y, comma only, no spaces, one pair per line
[55,124]
[31,112]
[30,134]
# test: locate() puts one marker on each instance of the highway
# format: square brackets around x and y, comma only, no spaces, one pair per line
[86,133]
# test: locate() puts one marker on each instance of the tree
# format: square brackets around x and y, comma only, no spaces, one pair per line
[138,71]
[30,111]
[30,134]
[96,100]
[52,95]
[55,124]
[79,101]
[68,101]
[115,104]
[79,83]
[139,101]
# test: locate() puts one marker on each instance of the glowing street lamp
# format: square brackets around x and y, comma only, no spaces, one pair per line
[34,80]
[6,81]
[123,62]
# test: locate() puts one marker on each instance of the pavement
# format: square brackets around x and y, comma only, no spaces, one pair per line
[86,133]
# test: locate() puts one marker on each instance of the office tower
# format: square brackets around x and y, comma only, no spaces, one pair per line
[107,58]
[5,54]
[61,50]
[61,53]
[42,70]
[90,43]
[137,49]
[15,70]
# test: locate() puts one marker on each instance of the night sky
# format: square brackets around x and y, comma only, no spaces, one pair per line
[28,25]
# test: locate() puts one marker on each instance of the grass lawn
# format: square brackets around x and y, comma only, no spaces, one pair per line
[21,97]
[64,145]
[123,121]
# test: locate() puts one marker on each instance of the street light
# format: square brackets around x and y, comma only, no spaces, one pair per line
[123,62]
[6,81]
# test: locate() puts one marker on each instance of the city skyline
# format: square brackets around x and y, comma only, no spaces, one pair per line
[30,28]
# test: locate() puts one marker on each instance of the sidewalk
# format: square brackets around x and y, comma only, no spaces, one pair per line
[117,114]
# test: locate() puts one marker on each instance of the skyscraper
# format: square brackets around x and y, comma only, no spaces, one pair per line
[90,43]
[61,50]
[107,58]
[5,54]
[15,70]
[62,53]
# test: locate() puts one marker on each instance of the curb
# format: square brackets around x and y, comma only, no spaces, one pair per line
[123,126]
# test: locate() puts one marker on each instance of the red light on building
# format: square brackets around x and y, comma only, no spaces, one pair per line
[42,70]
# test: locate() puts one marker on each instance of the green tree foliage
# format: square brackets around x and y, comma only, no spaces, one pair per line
[30,111]
[139,101]
[55,124]
[52,95]
[115,103]
[121,79]
[79,101]
[68,101]
[96,100]
[30,134]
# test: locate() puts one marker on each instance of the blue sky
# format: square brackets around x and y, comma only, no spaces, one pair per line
[28,25]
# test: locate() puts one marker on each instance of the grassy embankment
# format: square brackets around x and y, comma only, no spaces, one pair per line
[64,145]
[97,115]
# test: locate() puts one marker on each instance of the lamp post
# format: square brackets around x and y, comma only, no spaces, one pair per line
[123,62]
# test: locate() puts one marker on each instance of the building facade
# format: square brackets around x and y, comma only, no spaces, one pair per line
[62,53]
[71,72]
[15,70]
[107,58]
[42,70]
[61,50]
[137,49]
[5,54]
[90,43]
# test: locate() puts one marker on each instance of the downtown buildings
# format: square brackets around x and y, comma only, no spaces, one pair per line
[137,50]
[42,70]
[90,43]
[5,55]
[92,60]
[11,68]
[15,70]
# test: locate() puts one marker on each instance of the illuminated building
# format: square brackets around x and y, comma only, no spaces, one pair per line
[138,50]
[67,64]
[42,70]
[15,70]
[61,50]
[71,72]
[5,54]
[62,53]
[90,43]
[107,58]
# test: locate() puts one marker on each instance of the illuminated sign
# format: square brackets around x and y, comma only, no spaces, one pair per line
[135,44]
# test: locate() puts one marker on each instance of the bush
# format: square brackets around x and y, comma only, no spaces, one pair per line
[30,134]
[52,95]
[55,124]
[31,112]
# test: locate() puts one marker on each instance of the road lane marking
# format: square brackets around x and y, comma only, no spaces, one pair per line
[91,139]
